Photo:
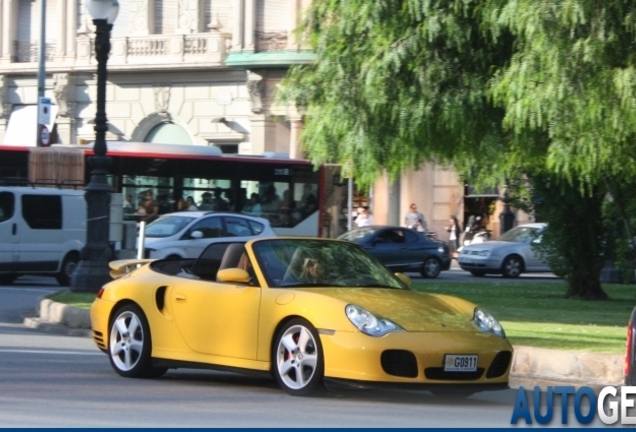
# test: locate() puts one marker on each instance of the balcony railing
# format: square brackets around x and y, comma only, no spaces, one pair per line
[137,50]
[27,51]
[161,49]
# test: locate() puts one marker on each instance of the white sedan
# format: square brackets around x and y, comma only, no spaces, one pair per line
[510,255]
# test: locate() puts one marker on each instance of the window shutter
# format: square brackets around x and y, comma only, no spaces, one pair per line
[271,15]
[166,16]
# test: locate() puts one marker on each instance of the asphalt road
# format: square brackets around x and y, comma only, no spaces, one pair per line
[49,380]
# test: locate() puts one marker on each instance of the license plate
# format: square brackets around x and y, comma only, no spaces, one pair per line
[460,363]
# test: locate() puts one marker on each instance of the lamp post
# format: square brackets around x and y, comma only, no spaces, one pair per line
[92,271]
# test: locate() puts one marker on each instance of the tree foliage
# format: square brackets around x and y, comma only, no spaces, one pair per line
[522,89]
[396,83]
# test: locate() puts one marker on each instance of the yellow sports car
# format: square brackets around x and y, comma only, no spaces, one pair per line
[305,310]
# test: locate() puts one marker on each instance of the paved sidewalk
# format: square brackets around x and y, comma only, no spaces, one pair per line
[530,367]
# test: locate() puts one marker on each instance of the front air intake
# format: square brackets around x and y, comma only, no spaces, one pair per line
[499,365]
[399,363]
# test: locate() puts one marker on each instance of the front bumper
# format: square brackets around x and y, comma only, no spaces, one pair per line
[473,262]
[415,358]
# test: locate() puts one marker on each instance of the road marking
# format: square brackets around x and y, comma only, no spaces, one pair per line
[26,351]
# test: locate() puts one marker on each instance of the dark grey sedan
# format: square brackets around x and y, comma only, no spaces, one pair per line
[402,249]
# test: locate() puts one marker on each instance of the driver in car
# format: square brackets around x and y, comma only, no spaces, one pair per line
[313,272]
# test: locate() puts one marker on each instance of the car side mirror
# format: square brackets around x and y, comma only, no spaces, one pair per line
[196,234]
[404,278]
[233,275]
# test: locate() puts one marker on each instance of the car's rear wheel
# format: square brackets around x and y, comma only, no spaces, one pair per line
[130,344]
[478,273]
[297,358]
[512,266]
[431,268]
[68,267]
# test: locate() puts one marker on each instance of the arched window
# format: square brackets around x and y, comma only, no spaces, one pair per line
[168,133]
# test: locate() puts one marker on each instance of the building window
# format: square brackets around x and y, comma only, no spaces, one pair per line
[169,133]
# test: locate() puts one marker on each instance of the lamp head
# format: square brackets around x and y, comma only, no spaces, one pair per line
[103,9]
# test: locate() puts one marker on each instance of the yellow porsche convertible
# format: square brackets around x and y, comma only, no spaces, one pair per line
[308,311]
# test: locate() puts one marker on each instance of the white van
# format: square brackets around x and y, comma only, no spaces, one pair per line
[42,231]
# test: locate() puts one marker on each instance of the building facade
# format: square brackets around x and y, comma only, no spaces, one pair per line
[190,72]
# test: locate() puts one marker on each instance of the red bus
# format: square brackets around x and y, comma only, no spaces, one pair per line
[290,191]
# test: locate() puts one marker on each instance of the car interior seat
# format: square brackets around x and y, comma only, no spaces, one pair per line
[232,256]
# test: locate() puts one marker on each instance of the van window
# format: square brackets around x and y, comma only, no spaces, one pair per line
[42,211]
[7,206]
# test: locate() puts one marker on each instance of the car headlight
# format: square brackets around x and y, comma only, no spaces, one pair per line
[368,323]
[488,323]
[484,253]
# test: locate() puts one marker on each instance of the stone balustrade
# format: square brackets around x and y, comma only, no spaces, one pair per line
[140,50]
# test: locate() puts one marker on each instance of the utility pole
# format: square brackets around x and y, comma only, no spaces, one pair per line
[41,72]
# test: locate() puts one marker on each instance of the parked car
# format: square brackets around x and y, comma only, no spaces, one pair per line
[402,249]
[186,234]
[300,310]
[42,231]
[510,255]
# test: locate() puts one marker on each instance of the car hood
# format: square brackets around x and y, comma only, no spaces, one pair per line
[411,310]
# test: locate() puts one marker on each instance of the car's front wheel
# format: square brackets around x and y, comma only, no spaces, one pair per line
[512,266]
[298,363]
[431,268]
[130,344]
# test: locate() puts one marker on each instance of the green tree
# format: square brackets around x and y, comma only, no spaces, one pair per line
[515,88]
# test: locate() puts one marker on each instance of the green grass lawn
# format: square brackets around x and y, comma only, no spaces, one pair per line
[536,314]
[532,313]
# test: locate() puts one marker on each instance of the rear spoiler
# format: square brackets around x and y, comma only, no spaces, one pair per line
[121,268]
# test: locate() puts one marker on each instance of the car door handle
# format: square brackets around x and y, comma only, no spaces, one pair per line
[180,298]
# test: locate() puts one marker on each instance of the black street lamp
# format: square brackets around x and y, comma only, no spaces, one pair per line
[92,271]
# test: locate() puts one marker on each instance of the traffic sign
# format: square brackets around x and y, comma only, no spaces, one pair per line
[44,110]
[45,136]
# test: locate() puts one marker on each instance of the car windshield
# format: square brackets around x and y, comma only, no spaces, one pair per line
[321,263]
[167,226]
[520,234]
[359,234]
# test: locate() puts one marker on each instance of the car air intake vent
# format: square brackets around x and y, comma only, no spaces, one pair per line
[441,374]
[399,363]
[160,297]
[98,337]
[499,365]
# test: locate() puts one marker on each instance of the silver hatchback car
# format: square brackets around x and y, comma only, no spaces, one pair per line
[185,234]
[509,255]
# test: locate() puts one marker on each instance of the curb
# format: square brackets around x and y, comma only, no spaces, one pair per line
[530,366]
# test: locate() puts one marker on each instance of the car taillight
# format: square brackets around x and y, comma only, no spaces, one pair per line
[100,292]
[628,348]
